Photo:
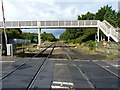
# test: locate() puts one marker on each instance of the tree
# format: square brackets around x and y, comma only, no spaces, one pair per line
[118,19]
[70,34]
[47,37]
[78,35]
[100,14]
[86,34]
[106,13]
[14,33]
[79,17]
[88,16]
[29,35]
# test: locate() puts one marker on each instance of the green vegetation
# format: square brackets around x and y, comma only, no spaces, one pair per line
[18,34]
[87,16]
[86,34]
[47,37]
[106,13]
[89,47]
[14,33]
[118,19]
[29,35]
[85,48]
[91,44]
[78,35]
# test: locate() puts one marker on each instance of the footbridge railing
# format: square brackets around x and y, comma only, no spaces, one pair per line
[105,27]
[109,30]
[50,24]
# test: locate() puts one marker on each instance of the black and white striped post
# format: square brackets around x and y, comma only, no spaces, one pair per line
[4,24]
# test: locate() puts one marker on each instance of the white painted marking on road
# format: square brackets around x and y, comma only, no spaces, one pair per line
[60,64]
[57,59]
[80,65]
[82,60]
[116,65]
[62,85]
[6,61]
[106,66]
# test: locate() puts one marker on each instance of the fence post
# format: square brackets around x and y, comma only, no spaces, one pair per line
[12,50]
[23,48]
[96,46]
[96,42]
[108,49]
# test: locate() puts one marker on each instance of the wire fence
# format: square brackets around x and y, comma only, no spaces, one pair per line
[111,49]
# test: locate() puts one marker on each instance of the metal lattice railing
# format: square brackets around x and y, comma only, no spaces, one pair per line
[106,28]
[40,24]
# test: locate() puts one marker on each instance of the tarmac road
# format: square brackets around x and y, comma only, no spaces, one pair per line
[56,72]
[83,73]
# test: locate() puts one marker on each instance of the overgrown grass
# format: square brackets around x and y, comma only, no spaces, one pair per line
[101,50]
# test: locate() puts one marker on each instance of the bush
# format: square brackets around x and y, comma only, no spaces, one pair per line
[80,39]
[47,37]
[91,44]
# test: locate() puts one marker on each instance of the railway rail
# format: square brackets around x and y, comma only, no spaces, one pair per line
[24,63]
[68,74]
[98,65]
[104,67]
[80,70]
[30,86]
[9,80]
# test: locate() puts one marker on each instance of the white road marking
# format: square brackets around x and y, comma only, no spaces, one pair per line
[62,85]
[116,65]
[6,61]
[60,64]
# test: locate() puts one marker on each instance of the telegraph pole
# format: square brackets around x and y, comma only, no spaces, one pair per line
[4,25]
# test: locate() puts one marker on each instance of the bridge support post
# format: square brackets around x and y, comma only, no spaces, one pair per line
[98,34]
[108,38]
[39,38]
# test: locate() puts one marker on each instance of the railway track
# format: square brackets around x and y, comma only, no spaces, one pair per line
[59,81]
[30,86]
[80,70]
[25,69]
[68,74]
[97,65]
[105,67]
[17,67]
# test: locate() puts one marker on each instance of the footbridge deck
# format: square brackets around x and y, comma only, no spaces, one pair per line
[50,24]
[104,26]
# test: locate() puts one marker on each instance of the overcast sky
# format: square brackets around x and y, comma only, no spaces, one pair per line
[52,10]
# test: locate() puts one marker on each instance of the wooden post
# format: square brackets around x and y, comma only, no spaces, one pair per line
[108,49]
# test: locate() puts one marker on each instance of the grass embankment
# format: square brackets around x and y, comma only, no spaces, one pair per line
[113,53]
